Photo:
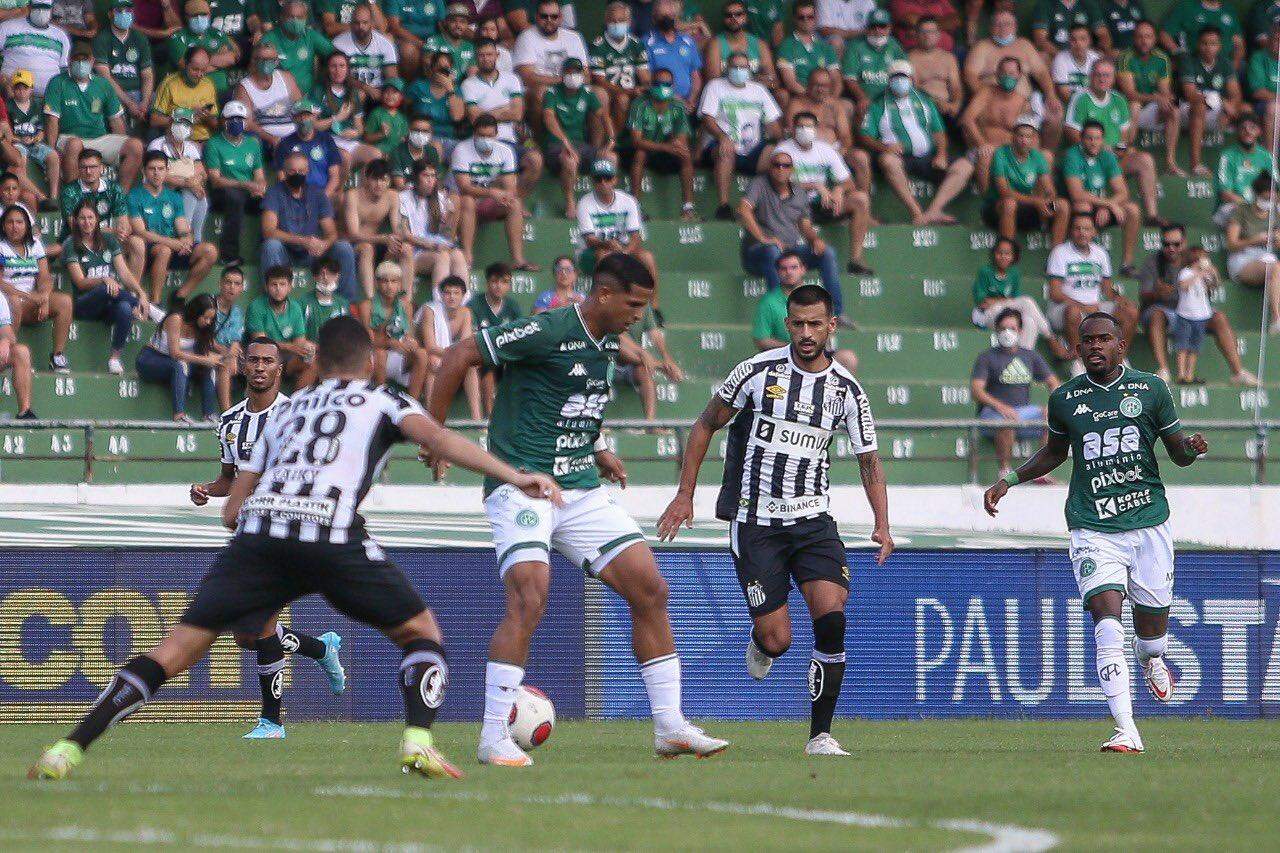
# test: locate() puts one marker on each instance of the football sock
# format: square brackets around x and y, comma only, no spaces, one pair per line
[501,681]
[1113,670]
[826,671]
[296,642]
[662,682]
[1153,647]
[270,675]
[423,676]
[130,689]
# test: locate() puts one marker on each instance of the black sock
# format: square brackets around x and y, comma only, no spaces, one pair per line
[826,671]
[296,642]
[423,676]
[270,675]
[130,689]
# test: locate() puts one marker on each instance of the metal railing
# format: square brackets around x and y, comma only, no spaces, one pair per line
[1254,450]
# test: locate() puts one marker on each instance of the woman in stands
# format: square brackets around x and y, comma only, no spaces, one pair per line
[999,286]
[342,113]
[107,288]
[429,224]
[182,349]
[27,284]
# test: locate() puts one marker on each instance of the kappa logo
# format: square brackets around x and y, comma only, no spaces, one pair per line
[578,369]
[1082,409]
[755,594]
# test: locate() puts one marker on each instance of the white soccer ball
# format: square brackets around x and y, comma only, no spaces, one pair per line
[532,719]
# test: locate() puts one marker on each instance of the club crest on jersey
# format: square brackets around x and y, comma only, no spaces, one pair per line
[834,405]
[1130,407]
[755,594]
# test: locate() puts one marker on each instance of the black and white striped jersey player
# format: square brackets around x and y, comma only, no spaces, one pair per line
[786,405]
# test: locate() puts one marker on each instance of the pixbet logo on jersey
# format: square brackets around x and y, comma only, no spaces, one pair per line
[1115,478]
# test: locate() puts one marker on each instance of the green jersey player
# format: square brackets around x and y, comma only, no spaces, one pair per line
[1109,418]
[557,373]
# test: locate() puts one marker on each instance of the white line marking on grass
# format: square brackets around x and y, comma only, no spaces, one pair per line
[162,837]
[1004,838]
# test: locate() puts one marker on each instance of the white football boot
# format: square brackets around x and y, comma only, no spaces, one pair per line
[1159,677]
[758,663]
[687,740]
[504,753]
[1124,741]
[824,744]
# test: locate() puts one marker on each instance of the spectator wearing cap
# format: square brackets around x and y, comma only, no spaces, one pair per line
[299,226]
[410,23]
[374,58]
[485,171]
[540,54]
[937,71]
[667,47]
[33,42]
[1211,91]
[904,131]
[324,160]
[662,139]
[866,63]
[189,87]
[386,127]
[735,37]
[269,96]
[199,31]
[299,45]
[804,51]
[454,39]
[609,221]
[1238,167]
[82,111]
[842,21]
[577,129]
[989,120]
[186,168]
[237,180]
[26,116]
[500,94]
[619,68]
[739,118]
[1144,75]
[775,217]
[1021,194]
[980,69]
[155,211]
[122,57]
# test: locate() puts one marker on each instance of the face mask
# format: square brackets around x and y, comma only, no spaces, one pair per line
[234,126]
[1008,82]
[900,86]
[326,287]
[662,91]
[806,135]
[1007,338]
[877,41]
[123,19]
[1003,41]
[1263,205]
[484,146]
[181,132]
[739,76]
[199,24]
[618,30]
[40,18]
[419,138]
[294,180]
[268,66]
[80,69]
[294,27]
[573,82]
[306,126]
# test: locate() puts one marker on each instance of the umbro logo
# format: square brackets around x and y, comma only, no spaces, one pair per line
[578,369]
[1082,409]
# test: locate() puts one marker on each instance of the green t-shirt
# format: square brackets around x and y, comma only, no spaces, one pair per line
[229,17]
[393,320]
[572,109]
[911,124]
[484,315]
[1021,174]
[1112,114]
[420,17]
[462,53]
[421,101]
[1237,169]
[27,124]
[618,64]
[212,40]
[159,212]
[404,163]
[124,59]
[94,263]
[108,198]
[1185,21]
[1112,429]
[659,125]
[394,123]
[1057,18]
[342,10]
[868,67]
[235,161]
[316,315]
[289,325]
[990,285]
[1121,17]
[1147,73]
[1212,78]
[1095,173]
[763,15]
[1263,73]
[771,317]
[82,112]
[298,56]
[1260,17]
[551,400]
[805,59]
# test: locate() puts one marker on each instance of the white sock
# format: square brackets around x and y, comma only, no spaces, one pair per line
[1151,648]
[662,683]
[501,681]
[1113,671]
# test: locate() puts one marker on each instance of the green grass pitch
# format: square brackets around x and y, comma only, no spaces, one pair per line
[934,785]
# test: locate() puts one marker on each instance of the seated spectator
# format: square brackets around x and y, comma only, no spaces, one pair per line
[398,357]
[619,66]
[122,57]
[1262,80]
[298,227]
[739,118]
[228,325]
[1096,188]
[82,111]
[111,202]
[641,373]
[661,140]
[495,307]
[775,218]
[1144,75]
[1071,67]
[998,288]
[489,29]
[920,151]
[804,51]
[1022,195]
[577,130]
[410,23]
[337,16]
[223,52]
[820,172]
[435,100]
[1158,297]
[371,221]
[765,18]
[454,40]
[324,302]
[1052,23]
[300,45]
[186,168]
[269,95]
[156,213]
[441,323]
[1188,19]
[374,59]
[908,15]
[33,42]
[386,126]
[1239,165]
[324,160]
[485,169]
[1079,273]
[26,117]
[100,274]
[937,72]
[609,221]
[27,284]
[674,51]
[1249,262]
[1196,283]
[182,350]
[428,230]
[980,69]
[418,148]
[769,328]
[1119,22]
[77,18]
[501,95]
[541,52]
[189,87]
[1001,387]
[237,182]
[564,290]
[990,121]
[835,123]
[16,358]
[842,21]
[275,314]
[733,38]
[342,106]
[867,61]
[1211,93]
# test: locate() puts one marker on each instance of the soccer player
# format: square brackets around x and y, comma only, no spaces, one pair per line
[788,403]
[295,509]
[1109,418]
[557,371]
[238,432]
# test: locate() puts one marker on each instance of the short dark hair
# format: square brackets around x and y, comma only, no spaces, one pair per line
[926,19]
[1080,214]
[265,341]
[484,120]
[343,344]
[622,272]
[804,114]
[1011,243]
[484,42]
[811,294]
[1100,315]
[1006,314]
[1174,226]
[496,270]
[1080,26]
[1262,183]
[378,168]
[453,281]
[1211,28]
[233,269]
[90,152]
[153,156]
[278,271]
[327,264]
[1251,118]
[1093,123]
[12,176]
[790,253]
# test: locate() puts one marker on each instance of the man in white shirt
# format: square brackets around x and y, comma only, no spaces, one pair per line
[609,221]
[841,21]
[501,95]
[36,44]
[374,58]
[1079,273]
[485,171]
[739,117]
[1071,67]
[540,53]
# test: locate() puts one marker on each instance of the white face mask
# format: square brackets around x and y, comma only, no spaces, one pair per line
[326,288]
[1007,338]
[484,146]
[877,41]
[40,17]
[419,138]
[806,135]
[182,132]
[900,86]
[573,82]
[1264,205]
[739,76]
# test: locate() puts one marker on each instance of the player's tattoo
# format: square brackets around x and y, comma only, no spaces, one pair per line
[870,469]
[716,414]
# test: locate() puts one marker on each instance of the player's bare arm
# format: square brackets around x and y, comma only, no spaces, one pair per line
[454,364]
[218,488]
[1046,460]
[873,483]
[245,483]
[680,510]
[1185,449]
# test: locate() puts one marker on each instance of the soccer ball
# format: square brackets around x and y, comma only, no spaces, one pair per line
[532,718]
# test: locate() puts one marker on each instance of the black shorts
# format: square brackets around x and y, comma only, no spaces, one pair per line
[255,576]
[923,168]
[767,558]
[1027,217]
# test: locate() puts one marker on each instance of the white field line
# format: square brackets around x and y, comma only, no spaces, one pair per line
[1003,838]
[83,835]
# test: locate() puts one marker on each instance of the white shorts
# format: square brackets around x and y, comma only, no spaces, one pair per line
[1056,312]
[590,529]
[1212,116]
[1149,117]
[1237,261]
[6,316]
[1138,563]
[109,146]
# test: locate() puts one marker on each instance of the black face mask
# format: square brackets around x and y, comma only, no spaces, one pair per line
[294,181]
[666,23]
